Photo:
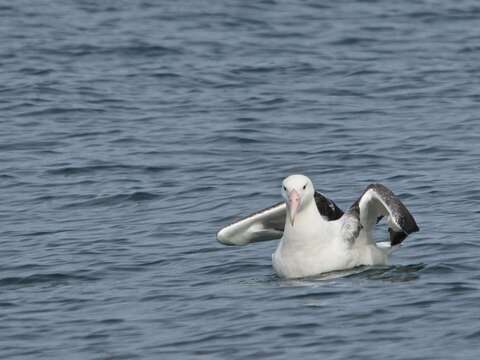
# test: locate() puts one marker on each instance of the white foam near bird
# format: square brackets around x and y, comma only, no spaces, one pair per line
[316,236]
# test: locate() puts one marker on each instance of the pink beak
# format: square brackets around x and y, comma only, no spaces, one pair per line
[293,205]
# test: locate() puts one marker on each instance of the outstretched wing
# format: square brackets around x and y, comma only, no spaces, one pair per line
[268,224]
[377,202]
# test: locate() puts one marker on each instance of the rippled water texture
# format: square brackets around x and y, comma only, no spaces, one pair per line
[131,131]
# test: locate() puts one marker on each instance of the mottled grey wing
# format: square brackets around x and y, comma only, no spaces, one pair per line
[268,224]
[378,201]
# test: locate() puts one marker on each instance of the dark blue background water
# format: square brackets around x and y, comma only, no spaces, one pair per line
[131,131]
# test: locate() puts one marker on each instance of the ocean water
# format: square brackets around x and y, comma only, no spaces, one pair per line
[131,131]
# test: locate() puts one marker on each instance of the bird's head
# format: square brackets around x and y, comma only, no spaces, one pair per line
[297,191]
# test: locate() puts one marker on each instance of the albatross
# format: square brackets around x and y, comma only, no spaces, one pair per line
[316,236]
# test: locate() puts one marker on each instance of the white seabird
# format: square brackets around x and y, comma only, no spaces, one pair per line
[316,236]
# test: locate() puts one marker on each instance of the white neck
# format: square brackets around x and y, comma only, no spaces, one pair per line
[308,219]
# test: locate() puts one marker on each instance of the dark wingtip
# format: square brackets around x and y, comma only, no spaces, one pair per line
[396,237]
[411,225]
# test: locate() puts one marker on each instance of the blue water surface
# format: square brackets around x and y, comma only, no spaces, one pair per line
[131,131]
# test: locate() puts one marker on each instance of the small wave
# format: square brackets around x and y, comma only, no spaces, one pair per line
[235,268]
[397,273]
[236,139]
[35,71]
[7,304]
[164,75]
[91,134]
[61,111]
[81,170]
[474,335]
[45,232]
[353,41]
[76,170]
[52,278]
[140,49]
[31,145]
[447,268]
[245,119]
[138,196]
[255,69]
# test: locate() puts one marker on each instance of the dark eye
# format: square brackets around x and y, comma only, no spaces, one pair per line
[304,186]
[285,188]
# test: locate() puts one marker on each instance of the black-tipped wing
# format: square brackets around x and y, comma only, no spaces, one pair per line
[378,201]
[268,224]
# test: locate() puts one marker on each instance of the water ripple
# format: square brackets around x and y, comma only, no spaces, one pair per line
[132,131]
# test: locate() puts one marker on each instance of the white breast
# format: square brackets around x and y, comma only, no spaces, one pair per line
[321,249]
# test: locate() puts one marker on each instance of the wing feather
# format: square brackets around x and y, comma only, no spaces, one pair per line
[378,201]
[327,208]
[266,224]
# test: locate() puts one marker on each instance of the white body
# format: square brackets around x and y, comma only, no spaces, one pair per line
[314,245]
